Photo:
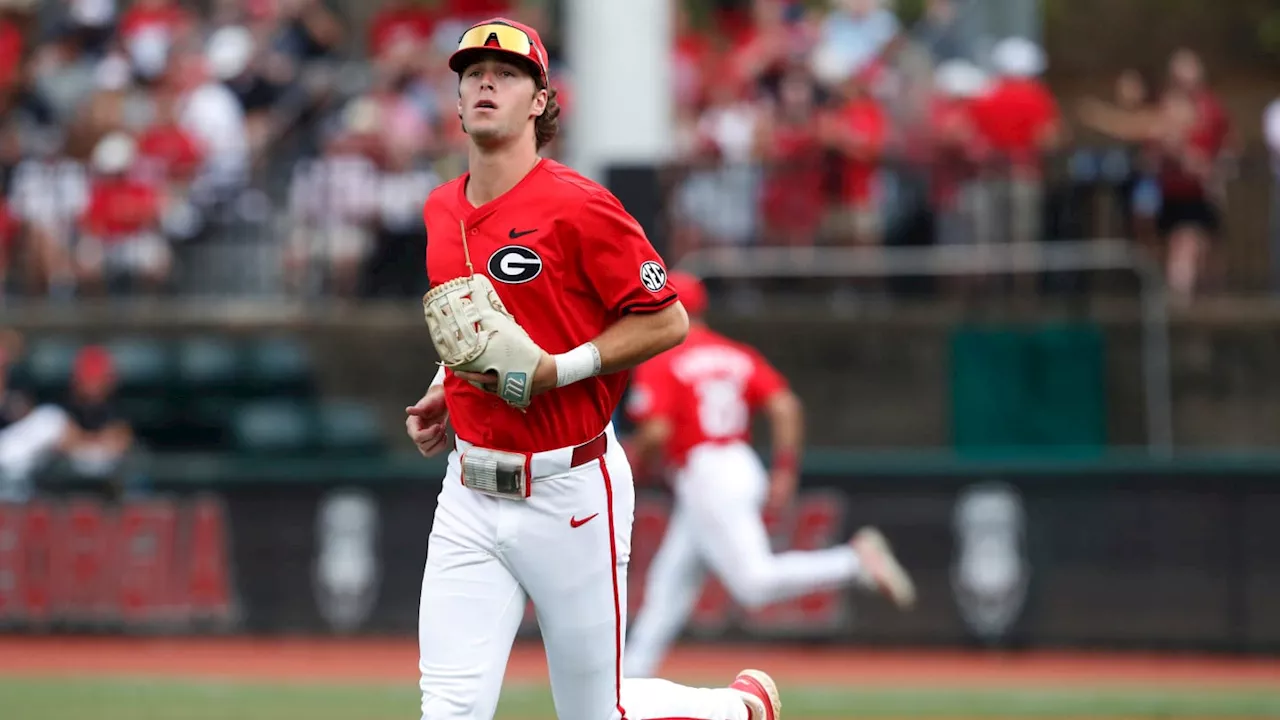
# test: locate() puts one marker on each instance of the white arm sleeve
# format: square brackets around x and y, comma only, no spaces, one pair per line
[439,379]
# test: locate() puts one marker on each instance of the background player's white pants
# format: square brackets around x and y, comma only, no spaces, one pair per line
[486,555]
[26,444]
[717,523]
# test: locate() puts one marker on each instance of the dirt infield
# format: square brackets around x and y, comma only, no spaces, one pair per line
[395,661]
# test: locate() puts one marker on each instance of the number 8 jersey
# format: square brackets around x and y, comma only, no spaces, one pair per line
[707,388]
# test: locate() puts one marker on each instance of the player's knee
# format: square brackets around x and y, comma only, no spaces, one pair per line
[749,586]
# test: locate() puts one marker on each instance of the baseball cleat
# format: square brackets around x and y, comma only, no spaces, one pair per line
[760,694]
[885,571]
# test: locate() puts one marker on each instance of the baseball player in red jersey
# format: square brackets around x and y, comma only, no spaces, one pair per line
[692,406]
[544,292]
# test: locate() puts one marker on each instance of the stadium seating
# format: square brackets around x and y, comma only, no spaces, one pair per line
[284,426]
[348,427]
[208,366]
[278,366]
[144,366]
[257,395]
[47,368]
[273,427]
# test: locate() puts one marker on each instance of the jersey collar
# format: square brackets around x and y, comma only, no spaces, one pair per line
[476,214]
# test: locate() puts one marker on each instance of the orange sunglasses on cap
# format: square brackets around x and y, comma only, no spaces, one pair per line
[502,35]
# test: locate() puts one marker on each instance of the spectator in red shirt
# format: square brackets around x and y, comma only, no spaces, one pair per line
[9,228]
[1212,136]
[956,151]
[776,37]
[1019,119]
[120,237]
[1212,132]
[171,154]
[169,159]
[787,145]
[857,131]
[692,54]
[11,47]
[1188,217]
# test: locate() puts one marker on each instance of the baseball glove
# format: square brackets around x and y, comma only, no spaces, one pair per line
[474,332]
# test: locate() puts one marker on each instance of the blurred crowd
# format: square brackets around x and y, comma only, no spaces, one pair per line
[136,132]
[841,126]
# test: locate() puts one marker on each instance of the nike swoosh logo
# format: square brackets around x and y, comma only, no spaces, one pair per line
[575,522]
[513,234]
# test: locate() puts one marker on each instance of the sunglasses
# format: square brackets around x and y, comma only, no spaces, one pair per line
[507,38]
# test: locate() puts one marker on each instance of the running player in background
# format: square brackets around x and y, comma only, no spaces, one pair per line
[692,406]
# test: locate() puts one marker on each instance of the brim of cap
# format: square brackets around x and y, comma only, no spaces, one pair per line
[460,59]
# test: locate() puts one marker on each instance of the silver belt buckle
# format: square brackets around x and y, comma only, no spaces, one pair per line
[494,472]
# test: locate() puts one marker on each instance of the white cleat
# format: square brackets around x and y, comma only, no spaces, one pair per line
[885,570]
[759,693]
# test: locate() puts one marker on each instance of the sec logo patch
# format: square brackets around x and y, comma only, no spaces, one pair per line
[653,276]
[515,264]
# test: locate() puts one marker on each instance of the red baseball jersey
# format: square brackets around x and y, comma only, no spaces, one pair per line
[707,388]
[1012,116]
[867,120]
[567,261]
[118,208]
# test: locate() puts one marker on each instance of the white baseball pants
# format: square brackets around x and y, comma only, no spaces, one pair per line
[566,547]
[717,523]
[25,445]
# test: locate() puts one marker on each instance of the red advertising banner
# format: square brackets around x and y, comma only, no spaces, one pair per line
[80,560]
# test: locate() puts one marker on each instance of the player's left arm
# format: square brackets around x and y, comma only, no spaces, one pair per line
[769,391]
[637,337]
[630,278]
[786,423]
[649,406]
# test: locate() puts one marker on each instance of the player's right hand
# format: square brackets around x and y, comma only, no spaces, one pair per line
[426,422]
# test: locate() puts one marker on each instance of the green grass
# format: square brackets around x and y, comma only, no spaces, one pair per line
[138,699]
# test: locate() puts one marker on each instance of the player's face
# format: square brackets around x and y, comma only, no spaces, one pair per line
[498,101]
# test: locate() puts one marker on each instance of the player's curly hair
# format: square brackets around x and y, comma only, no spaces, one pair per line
[546,125]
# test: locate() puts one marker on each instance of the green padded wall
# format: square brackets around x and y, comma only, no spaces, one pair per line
[1040,388]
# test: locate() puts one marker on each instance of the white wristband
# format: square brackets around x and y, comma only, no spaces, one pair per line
[439,380]
[579,363]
